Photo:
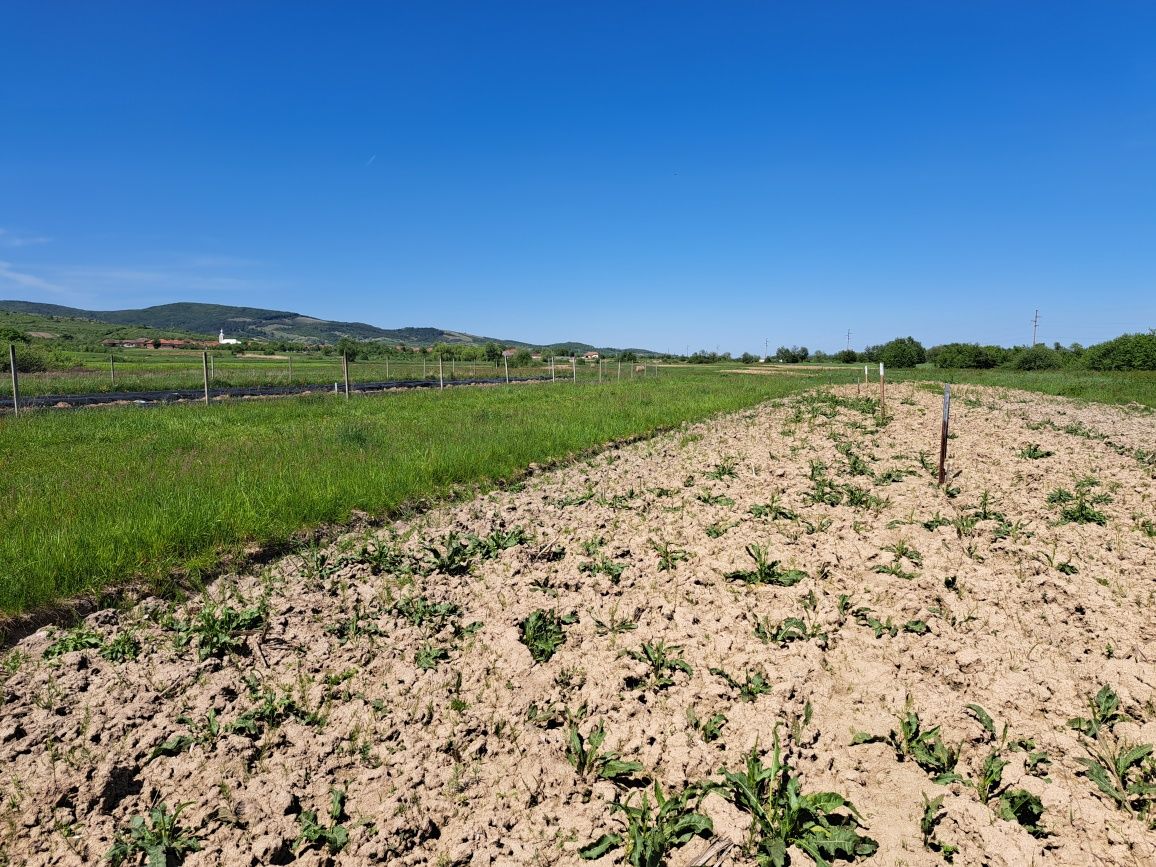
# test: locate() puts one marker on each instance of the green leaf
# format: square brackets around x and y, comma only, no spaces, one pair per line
[604,844]
[983,718]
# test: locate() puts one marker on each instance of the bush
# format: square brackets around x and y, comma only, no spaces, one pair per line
[902,352]
[28,360]
[970,356]
[1126,352]
[1038,357]
[847,356]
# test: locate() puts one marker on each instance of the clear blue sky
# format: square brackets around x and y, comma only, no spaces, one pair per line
[659,174]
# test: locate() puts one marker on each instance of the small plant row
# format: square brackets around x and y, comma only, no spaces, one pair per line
[928,749]
[1079,507]
[827,492]
[824,825]
[1122,771]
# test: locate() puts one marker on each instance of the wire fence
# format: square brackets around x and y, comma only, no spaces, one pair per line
[178,374]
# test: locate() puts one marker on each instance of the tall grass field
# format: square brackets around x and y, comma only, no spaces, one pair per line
[97,497]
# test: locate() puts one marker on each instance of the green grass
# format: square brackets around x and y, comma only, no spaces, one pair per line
[1112,387]
[97,497]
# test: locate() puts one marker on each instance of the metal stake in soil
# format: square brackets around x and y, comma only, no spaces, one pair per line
[205,369]
[943,433]
[15,379]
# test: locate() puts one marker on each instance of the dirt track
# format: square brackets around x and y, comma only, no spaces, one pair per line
[465,762]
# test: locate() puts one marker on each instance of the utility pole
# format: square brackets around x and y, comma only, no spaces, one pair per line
[1035,325]
[766,347]
[848,338]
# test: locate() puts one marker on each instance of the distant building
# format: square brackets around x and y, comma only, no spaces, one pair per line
[591,356]
[509,353]
[227,341]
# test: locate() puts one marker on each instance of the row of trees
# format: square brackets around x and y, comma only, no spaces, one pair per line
[1127,352]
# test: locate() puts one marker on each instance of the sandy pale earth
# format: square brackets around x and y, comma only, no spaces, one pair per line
[373,701]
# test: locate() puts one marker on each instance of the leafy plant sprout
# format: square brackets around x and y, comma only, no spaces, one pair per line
[668,556]
[160,838]
[542,633]
[824,825]
[662,664]
[653,830]
[766,571]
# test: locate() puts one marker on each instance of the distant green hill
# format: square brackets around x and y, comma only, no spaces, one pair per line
[205,320]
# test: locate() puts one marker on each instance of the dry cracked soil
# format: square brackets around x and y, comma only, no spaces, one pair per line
[790,572]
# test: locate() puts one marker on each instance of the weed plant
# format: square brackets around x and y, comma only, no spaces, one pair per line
[824,825]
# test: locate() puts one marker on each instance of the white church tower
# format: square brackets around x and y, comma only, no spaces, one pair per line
[226,341]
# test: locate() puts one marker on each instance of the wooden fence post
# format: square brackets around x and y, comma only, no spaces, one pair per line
[112,370]
[574,367]
[15,379]
[882,395]
[943,433]
[290,354]
[441,379]
[345,373]
[506,362]
[205,368]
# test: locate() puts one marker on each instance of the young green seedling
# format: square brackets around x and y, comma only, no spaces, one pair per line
[668,556]
[662,664]
[652,832]
[926,748]
[755,683]
[766,571]
[583,753]
[824,825]
[542,633]
[312,833]
[160,838]
[933,814]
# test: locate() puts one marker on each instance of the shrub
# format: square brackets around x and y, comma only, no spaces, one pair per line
[902,352]
[28,360]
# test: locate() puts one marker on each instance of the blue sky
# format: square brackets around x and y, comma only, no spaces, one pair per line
[660,174]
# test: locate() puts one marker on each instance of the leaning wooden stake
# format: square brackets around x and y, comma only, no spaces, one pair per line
[205,368]
[15,379]
[943,433]
[345,373]
[882,395]
[574,366]
[112,369]
[506,362]
[441,379]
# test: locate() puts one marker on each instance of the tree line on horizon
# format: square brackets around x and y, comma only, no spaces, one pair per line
[1126,352]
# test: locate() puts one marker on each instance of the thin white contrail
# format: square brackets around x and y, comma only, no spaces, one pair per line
[371,159]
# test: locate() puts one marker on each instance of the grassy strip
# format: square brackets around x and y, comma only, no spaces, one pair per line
[1111,387]
[96,497]
[1115,387]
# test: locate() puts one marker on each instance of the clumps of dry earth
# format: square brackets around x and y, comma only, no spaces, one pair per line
[770,630]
